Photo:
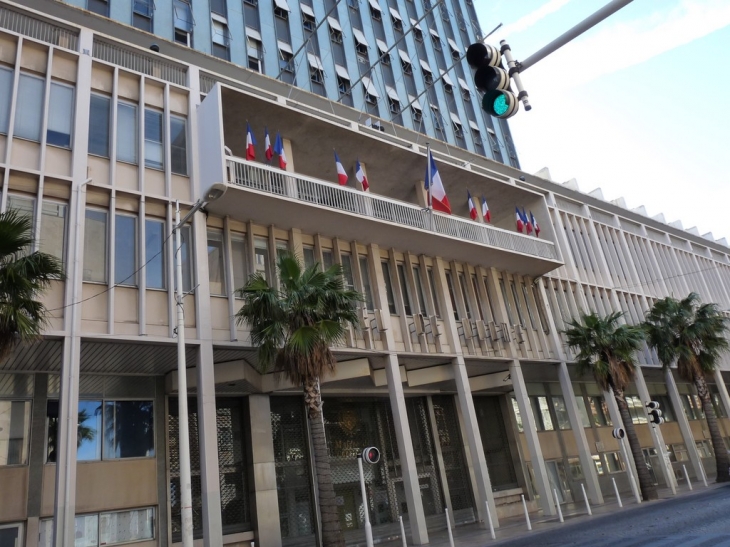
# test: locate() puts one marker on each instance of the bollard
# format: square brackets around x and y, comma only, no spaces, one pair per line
[448,527]
[402,531]
[615,489]
[527,515]
[704,475]
[686,476]
[253,544]
[585,497]
[489,520]
[557,504]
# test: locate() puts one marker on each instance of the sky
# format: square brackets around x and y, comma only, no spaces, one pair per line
[638,106]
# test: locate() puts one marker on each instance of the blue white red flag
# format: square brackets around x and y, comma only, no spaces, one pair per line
[341,173]
[279,151]
[518,219]
[535,225]
[360,176]
[269,152]
[486,213]
[250,144]
[439,200]
[472,207]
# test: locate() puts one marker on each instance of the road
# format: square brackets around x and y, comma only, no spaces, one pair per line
[699,520]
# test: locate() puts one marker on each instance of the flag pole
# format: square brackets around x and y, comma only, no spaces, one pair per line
[430,182]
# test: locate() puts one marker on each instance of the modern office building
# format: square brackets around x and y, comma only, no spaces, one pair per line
[458,370]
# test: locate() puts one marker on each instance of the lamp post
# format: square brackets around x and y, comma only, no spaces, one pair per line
[186,494]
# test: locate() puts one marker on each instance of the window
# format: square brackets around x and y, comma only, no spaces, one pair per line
[221,40]
[99,125]
[475,288]
[125,250]
[254,50]
[346,260]
[417,113]
[393,105]
[29,106]
[599,465]
[376,14]
[6,93]
[582,410]
[452,296]
[238,257]
[436,42]
[219,7]
[153,150]
[396,20]
[404,289]
[365,274]
[343,84]
[185,253]
[179,145]
[14,434]
[24,207]
[465,295]
[251,2]
[599,411]
[100,7]
[541,411]
[285,61]
[636,409]
[507,303]
[327,259]
[308,20]
[95,244]
[361,44]
[183,20]
[216,270]
[419,291]
[704,448]
[155,270]
[261,256]
[561,412]
[518,416]
[335,30]
[309,259]
[540,310]
[432,285]
[110,528]
[142,14]
[614,462]
[316,75]
[127,132]
[388,287]
[281,9]
[518,306]
[60,116]
[53,229]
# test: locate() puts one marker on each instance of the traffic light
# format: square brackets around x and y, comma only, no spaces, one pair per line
[655,415]
[492,80]
[371,455]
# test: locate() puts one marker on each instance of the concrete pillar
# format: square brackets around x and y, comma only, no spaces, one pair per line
[533,444]
[36,460]
[266,501]
[722,389]
[656,435]
[684,427]
[416,517]
[478,461]
[576,424]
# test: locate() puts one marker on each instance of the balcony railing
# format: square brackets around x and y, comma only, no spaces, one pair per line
[308,190]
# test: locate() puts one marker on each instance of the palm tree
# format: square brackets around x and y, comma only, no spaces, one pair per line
[23,277]
[607,349]
[693,335]
[294,328]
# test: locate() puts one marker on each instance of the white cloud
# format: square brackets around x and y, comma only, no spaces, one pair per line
[528,20]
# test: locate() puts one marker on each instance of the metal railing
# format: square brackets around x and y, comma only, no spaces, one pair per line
[273,181]
[139,62]
[37,29]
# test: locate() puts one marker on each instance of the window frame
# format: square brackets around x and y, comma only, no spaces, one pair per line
[69,109]
[181,149]
[127,281]
[147,161]
[107,238]
[390,295]
[162,253]
[20,96]
[135,131]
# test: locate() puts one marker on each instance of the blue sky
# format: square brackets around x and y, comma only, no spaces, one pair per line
[637,106]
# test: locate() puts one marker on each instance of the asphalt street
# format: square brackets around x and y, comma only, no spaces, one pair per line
[699,520]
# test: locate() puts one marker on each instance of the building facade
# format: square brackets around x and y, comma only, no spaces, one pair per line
[458,371]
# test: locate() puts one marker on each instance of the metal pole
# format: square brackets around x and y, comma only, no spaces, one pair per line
[368,528]
[686,476]
[515,74]
[632,480]
[429,178]
[527,515]
[489,520]
[585,497]
[186,494]
[557,504]
[589,22]
[448,527]
[402,531]
[618,496]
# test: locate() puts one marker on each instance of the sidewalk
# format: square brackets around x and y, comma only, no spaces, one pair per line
[471,535]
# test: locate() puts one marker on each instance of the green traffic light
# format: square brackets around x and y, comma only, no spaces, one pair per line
[500,105]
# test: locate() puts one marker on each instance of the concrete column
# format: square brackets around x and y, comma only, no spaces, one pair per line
[684,427]
[416,517]
[533,444]
[576,424]
[722,389]
[656,435]
[482,484]
[266,501]
[37,455]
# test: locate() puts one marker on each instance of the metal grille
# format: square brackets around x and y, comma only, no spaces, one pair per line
[351,426]
[235,507]
[139,62]
[600,216]
[274,181]
[495,442]
[452,450]
[40,30]
[206,83]
[293,480]
[569,206]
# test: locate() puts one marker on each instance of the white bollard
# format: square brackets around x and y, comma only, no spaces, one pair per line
[704,475]
[686,476]
[618,496]
[489,520]
[402,531]
[557,504]
[448,527]
[253,544]
[585,497]
[527,515]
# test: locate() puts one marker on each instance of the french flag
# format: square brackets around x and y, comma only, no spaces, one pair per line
[269,150]
[472,207]
[279,151]
[439,201]
[486,213]
[520,223]
[535,225]
[250,144]
[528,224]
[360,176]
[341,174]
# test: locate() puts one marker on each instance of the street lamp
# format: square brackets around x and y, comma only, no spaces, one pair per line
[186,494]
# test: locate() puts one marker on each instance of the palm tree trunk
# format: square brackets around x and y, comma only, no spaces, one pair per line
[648,490]
[718,445]
[331,531]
